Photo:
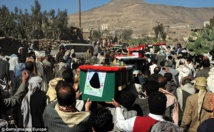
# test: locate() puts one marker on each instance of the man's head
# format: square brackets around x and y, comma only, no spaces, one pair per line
[162,63]
[186,80]
[39,58]
[151,87]
[165,126]
[157,103]
[178,45]
[146,73]
[200,83]
[126,98]
[206,63]
[189,60]
[154,61]
[67,75]
[66,95]
[29,66]
[162,82]
[21,49]
[168,76]
[102,120]
[170,57]
[157,69]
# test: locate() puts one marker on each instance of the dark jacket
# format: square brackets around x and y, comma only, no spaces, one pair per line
[59,56]
[4,70]
[37,105]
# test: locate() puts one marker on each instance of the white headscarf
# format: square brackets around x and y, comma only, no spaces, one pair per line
[20,49]
[34,84]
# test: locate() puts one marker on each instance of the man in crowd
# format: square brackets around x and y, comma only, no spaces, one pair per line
[149,87]
[60,54]
[156,74]
[179,48]
[171,86]
[166,67]
[101,120]
[206,126]
[13,61]
[40,71]
[62,114]
[157,107]
[29,66]
[185,90]
[152,66]
[191,66]
[17,81]
[197,108]
[172,103]
[126,100]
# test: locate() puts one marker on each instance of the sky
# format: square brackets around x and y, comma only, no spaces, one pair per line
[72,5]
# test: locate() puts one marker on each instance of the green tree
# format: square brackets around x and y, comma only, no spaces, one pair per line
[7,23]
[49,33]
[15,32]
[23,25]
[159,31]
[51,14]
[36,18]
[60,23]
[34,25]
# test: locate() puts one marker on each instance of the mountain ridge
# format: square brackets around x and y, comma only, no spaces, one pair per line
[140,16]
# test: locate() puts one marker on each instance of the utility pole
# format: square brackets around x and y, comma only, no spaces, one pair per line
[79,13]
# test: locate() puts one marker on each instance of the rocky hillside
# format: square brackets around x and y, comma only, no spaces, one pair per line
[140,16]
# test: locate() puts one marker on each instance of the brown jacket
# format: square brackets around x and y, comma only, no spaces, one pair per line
[190,116]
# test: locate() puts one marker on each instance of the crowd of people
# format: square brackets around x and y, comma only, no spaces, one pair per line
[172,91]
